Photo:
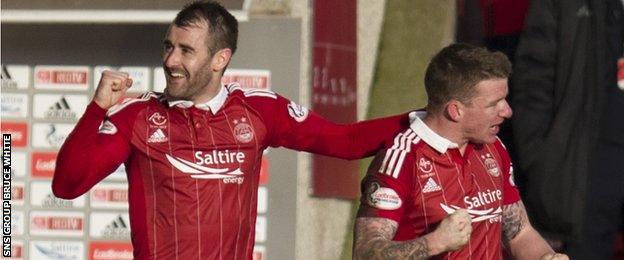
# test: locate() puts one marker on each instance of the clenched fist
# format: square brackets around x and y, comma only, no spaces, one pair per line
[112,87]
[454,230]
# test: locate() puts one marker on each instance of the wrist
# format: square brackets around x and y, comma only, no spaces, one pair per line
[435,244]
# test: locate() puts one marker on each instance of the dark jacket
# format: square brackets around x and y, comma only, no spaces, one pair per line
[557,99]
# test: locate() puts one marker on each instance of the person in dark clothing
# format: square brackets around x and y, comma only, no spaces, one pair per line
[568,126]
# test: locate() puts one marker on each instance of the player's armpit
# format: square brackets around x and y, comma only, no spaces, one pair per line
[373,240]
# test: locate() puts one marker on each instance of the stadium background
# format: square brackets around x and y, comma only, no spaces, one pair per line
[277,47]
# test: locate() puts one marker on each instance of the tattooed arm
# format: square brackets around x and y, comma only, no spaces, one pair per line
[373,238]
[521,239]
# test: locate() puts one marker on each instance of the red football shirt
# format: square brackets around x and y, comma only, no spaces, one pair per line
[422,177]
[193,170]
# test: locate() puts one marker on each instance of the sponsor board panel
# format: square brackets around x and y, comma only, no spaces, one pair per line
[247,78]
[259,253]
[15,77]
[57,223]
[261,229]
[48,250]
[18,223]
[41,196]
[264,171]
[139,75]
[108,225]
[263,197]
[50,135]
[42,164]
[18,164]
[18,132]
[160,82]
[109,196]
[61,77]
[14,105]
[18,193]
[59,107]
[118,175]
[106,250]
[17,249]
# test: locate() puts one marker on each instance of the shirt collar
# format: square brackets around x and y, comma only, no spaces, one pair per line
[425,133]
[213,105]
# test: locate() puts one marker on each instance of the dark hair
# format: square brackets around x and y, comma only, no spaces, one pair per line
[222,26]
[457,69]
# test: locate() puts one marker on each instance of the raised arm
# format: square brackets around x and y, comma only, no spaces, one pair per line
[373,238]
[521,238]
[96,147]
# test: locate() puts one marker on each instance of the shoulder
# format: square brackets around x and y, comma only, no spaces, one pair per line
[397,153]
[134,105]
[235,90]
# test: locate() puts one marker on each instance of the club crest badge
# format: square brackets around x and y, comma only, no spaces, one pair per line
[243,131]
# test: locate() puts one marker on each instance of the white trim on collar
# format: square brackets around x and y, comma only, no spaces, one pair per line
[213,105]
[425,133]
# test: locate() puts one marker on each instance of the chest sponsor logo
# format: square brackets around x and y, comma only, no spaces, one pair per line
[157,119]
[56,250]
[491,166]
[482,199]
[430,186]
[56,223]
[60,107]
[41,196]
[381,197]
[110,250]
[18,132]
[243,131]
[14,105]
[15,77]
[62,77]
[425,165]
[203,167]
[43,164]
[18,160]
[50,135]
[297,112]
[110,225]
[109,196]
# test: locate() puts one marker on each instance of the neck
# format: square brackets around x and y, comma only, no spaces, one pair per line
[447,129]
[210,92]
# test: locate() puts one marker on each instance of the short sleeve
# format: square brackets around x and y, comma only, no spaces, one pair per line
[385,191]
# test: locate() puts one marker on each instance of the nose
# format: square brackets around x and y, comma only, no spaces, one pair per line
[506,112]
[171,59]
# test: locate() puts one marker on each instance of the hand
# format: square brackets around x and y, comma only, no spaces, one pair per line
[454,230]
[112,87]
[554,256]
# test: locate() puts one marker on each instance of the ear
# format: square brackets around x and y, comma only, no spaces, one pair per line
[221,59]
[454,110]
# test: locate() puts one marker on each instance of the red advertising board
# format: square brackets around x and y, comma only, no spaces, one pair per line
[334,90]
[18,131]
[110,250]
[43,164]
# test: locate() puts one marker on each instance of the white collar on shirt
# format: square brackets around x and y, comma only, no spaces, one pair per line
[212,105]
[425,133]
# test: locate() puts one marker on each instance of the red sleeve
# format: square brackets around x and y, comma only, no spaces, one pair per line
[295,127]
[90,152]
[510,191]
[385,194]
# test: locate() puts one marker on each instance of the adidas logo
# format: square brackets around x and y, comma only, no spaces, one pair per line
[53,202]
[157,137]
[116,229]
[60,110]
[431,186]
